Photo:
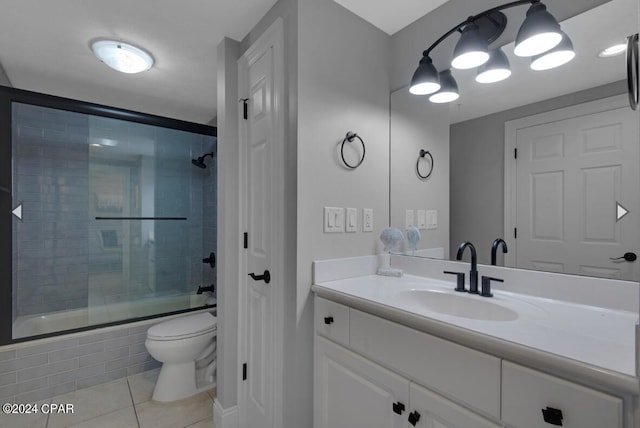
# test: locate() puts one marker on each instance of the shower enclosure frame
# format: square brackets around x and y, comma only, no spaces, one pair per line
[7,97]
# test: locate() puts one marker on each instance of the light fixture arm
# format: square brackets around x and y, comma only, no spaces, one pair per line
[473,18]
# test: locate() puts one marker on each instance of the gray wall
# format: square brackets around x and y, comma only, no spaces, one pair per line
[477,169]
[418,125]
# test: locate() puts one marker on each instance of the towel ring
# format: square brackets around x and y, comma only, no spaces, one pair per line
[350,137]
[424,153]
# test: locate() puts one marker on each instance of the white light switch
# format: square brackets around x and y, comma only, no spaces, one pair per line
[367,220]
[352,220]
[409,220]
[422,219]
[432,219]
[333,220]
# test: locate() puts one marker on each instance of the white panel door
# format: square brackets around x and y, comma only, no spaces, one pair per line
[258,149]
[430,410]
[570,175]
[353,392]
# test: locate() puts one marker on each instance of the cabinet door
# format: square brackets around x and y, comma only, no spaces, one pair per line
[430,410]
[353,392]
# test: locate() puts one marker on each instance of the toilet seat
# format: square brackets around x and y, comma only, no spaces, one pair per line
[183,327]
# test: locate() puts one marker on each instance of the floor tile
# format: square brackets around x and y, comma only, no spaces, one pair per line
[123,418]
[152,414]
[207,423]
[92,402]
[142,385]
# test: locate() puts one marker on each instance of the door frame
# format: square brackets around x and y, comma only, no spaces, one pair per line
[511,128]
[272,38]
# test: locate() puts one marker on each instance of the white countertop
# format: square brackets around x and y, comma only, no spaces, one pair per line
[599,337]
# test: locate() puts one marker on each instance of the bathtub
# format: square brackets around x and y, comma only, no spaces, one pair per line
[35,325]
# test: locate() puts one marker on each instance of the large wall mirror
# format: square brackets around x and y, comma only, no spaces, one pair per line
[558,204]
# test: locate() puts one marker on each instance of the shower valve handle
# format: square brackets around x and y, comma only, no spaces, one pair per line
[211,260]
[266,277]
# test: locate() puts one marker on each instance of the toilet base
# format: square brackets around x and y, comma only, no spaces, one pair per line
[175,382]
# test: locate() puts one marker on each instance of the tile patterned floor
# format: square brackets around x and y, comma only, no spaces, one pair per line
[124,403]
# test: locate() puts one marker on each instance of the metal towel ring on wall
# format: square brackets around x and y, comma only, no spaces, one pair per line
[350,137]
[424,153]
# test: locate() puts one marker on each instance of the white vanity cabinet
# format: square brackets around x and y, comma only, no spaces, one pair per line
[372,372]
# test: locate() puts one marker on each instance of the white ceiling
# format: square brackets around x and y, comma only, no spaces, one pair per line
[391,16]
[44,47]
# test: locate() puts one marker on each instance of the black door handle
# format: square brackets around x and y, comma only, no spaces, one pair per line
[266,277]
[630,257]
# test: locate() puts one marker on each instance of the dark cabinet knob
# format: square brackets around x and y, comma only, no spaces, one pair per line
[398,408]
[328,320]
[414,417]
[552,416]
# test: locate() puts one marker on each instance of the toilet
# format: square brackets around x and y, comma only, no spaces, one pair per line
[182,345]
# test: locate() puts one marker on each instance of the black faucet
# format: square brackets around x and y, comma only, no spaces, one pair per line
[473,273]
[211,288]
[494,249]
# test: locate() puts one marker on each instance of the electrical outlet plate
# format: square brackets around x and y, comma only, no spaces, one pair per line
[432,219]
[367,220]
[333,220]
[422,219]
[409,219]
[351,224]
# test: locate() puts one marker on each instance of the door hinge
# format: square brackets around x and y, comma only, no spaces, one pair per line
[246,240]
[245,108]
[244,371]
[515,233]
[515,153]
[398,408]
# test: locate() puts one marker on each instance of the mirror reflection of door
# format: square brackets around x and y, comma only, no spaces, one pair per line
[570,176]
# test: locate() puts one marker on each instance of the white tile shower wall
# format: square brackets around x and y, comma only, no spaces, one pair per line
[33,372]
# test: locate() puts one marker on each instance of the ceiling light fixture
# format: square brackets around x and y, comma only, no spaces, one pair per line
[539,33]
[448,91]
[613,50]
[121,56]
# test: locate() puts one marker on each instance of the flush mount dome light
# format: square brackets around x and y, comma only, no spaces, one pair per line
[122,56]
[613,50]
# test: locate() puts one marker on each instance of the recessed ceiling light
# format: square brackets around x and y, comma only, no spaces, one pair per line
[122,56]
[613,50]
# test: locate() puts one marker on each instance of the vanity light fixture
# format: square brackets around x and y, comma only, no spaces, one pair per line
[494,70]
[560,55]
[121,56]
[539,33]
[448,90]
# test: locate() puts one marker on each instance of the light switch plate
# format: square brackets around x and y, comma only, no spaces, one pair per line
[422,219]
[432,219]
[351,224]
[367,220]
[333,220]
[409,219]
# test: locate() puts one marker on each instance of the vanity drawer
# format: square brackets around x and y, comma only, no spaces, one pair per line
[465,375]
[332,320]
[526,392]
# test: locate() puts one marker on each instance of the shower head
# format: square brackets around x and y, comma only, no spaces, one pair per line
[200,161]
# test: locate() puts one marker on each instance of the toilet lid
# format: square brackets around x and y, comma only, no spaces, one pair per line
[186,326]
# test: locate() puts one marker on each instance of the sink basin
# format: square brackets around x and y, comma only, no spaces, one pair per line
[457,305]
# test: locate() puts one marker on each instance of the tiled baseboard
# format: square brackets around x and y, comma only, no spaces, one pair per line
[33,371]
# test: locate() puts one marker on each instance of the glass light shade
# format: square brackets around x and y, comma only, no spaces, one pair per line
[425,80]
[494,70]
[448,91]
[471,50]
[613,50]
[560,55]
[538,33]
[122,56]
